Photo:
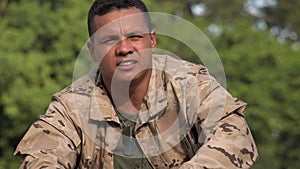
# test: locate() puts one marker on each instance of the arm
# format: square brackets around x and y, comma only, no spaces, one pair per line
[223,132]
[52,141]
[229,146]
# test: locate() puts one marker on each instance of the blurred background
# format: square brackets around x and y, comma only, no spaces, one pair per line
[257,41]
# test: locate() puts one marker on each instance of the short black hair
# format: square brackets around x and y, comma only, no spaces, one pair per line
[102,7]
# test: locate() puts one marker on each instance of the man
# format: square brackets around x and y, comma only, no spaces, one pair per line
[137,109]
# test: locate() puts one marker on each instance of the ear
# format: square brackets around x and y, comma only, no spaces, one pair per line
[153,40]
[90,45]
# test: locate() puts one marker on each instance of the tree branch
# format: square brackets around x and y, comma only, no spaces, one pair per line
[2,7]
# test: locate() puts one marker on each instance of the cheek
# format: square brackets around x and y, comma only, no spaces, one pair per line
[104,54]
[106,67]
[146,58]
[107,62]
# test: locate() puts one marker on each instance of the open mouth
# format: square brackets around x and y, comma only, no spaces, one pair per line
[127,63]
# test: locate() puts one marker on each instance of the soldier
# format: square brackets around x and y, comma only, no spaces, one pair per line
[138,109]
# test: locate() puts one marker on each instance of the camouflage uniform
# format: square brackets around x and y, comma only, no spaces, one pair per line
[187,120]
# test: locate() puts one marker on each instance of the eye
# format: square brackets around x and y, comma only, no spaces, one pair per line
[135,37]
[110,40]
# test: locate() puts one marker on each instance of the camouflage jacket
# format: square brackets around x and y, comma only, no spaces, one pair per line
[187,120]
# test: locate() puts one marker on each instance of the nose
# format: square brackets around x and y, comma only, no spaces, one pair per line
[124,47]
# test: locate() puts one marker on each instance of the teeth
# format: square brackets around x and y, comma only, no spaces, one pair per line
[125,63]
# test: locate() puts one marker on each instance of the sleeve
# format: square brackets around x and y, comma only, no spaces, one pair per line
[51,142]
[225,138]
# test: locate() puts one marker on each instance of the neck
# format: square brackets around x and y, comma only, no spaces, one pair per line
[128,96]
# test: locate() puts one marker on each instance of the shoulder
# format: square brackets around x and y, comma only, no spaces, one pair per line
[81,87]
[179,69]
[78,94]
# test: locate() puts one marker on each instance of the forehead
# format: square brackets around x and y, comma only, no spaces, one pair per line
[123,20]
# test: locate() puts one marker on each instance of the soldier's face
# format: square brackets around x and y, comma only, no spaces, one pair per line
[123,45]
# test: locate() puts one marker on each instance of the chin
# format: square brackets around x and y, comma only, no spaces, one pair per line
[128,77]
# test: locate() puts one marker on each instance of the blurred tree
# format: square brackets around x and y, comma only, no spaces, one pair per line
[263,72]
[281,16]
[39,43]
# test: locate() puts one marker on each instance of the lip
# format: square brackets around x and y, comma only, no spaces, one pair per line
[126,65]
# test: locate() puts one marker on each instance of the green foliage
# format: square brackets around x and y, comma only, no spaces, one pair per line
[40,41]
[283,16]
[262,71]
[39,44]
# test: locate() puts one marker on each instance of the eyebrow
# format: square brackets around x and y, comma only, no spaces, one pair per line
[134,33]
[108,37]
